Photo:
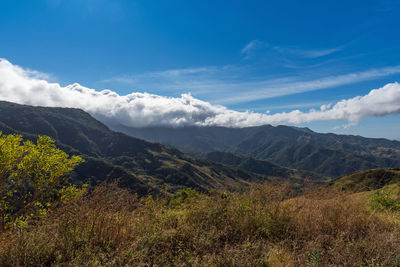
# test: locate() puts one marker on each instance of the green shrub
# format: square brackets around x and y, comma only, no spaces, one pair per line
[183,196]
[313,258]
[382,201]
[31,176]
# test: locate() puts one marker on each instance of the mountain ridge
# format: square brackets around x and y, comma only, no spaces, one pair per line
[299,148]
[109,155]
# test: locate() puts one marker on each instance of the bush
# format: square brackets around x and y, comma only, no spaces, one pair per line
[31,176]
[264,226]
[382,201]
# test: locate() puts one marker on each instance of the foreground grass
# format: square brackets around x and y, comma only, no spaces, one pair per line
[265,226]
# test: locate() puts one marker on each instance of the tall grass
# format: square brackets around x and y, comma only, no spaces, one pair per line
[264,226]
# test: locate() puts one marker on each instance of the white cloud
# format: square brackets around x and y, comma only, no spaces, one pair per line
[143,109]
[378,102]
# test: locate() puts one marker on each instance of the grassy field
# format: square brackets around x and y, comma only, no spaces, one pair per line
[265,226]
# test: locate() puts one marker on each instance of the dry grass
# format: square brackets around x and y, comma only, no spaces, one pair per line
[265,226]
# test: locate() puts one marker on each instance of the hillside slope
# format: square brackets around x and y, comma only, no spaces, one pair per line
[261,167]
[367,180]
[109,155]
[299,148]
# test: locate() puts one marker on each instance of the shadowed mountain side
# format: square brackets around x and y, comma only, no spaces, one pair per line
[298,148]
[261,167]
[143,166]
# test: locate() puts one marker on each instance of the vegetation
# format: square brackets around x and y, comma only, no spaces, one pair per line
[383,201]
[367,180]
[142,166]
[355,221]
[265,226]
[30,177]
[298,148]
[263,167]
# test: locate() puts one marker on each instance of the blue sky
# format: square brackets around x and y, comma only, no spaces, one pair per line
[245,55]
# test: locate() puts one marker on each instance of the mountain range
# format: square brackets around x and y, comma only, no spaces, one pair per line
[328,154]
[143,166]
[214,157]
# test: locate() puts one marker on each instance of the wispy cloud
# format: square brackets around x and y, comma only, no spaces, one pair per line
[216,83]
[201,80]
[255,47]
[265,90]
[142,109]
[246,81]
[249,50]
[315,53]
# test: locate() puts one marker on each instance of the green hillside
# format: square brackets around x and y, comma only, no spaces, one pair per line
[367,180]
[143,166]
[262,167]
[299,148]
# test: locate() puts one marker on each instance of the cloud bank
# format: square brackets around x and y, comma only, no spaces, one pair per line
[142,109]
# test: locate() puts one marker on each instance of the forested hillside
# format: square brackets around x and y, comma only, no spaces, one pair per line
[299,148]
[145,167]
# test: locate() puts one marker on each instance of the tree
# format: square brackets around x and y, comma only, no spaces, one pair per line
[31,177]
